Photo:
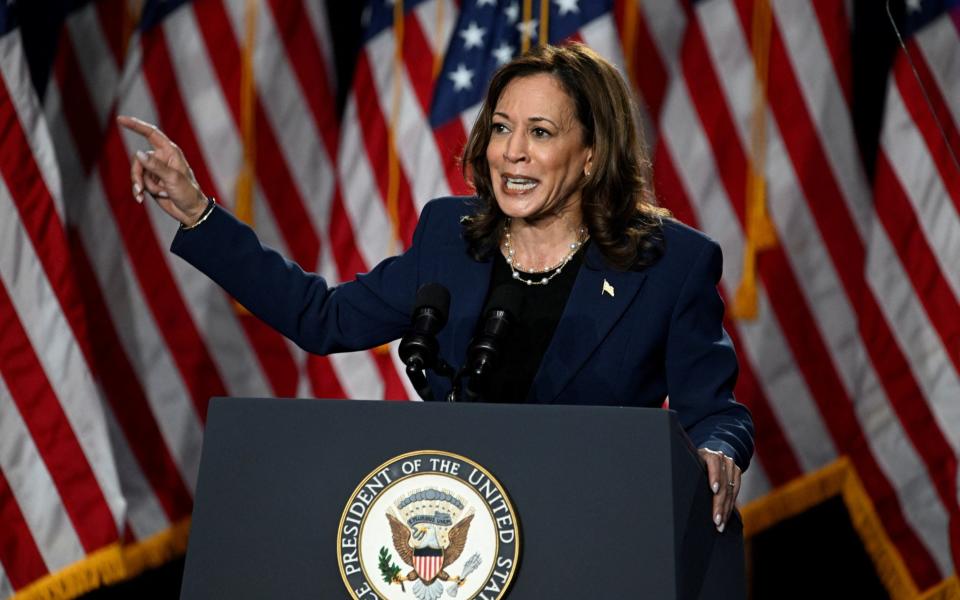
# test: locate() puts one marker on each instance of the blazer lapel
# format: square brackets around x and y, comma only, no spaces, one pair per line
[599,297]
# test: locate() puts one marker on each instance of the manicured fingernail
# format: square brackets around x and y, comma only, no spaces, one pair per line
[141,156]
[716,487]
[137,189]
[717,519]
[163,194]
[720,528]
[140,198]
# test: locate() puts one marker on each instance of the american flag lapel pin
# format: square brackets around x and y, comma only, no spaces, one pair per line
[607,288]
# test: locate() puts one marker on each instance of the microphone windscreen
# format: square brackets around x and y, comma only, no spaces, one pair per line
[508,298]
[435,296]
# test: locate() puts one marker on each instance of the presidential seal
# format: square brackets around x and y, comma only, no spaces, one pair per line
[425,523]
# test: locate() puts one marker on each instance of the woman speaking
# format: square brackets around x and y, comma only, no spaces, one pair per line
[619,301]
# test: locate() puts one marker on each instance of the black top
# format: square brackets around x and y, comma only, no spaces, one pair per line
[528,340]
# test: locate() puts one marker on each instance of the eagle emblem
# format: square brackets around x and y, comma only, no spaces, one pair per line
[422,527]
[429,535]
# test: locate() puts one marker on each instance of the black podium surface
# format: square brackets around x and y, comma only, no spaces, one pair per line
[612,502]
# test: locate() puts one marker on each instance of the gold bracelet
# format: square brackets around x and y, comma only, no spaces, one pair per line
[211,202]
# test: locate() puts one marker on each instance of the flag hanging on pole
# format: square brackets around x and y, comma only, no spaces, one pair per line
[61,507]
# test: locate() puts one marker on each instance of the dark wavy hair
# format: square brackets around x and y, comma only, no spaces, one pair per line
[618,203]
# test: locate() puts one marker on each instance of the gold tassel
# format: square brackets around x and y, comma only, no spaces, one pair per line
[246,178]
[544,22]
[248,96]
[134,11]
[393,160]
[760,231]
[525,32]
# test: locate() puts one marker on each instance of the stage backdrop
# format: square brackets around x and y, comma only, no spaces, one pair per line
[836,203]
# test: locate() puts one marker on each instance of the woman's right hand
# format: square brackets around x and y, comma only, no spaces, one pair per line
[164,172]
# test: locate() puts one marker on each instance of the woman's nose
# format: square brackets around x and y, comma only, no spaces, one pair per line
[516,148]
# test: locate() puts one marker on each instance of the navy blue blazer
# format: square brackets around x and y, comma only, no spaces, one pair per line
[659,334]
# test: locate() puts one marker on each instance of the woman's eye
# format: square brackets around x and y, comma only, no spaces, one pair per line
[540,132]
[499,128]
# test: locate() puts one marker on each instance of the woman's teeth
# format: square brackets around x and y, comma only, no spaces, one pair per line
[518,184]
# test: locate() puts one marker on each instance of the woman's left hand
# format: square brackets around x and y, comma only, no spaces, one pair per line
[724,477]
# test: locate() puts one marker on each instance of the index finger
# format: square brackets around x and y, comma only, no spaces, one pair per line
[152,134]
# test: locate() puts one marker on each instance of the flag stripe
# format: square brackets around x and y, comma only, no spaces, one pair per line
[416,151]
[187,348]
[32,489]
[375,139]
[126,396]
[824,198]
[254,359]
[114,19]
[50,429]
[56,319]
[835,28]
[904,395]
[78,111]
[19,554]
[274,359]
[933,55]
[940,220]
[418,77]
[774,451]
[649,72]
[273,175]
[305,56]
[894,211]
[765,347]
[798,323]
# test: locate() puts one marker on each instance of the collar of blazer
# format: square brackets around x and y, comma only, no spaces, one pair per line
[598,300]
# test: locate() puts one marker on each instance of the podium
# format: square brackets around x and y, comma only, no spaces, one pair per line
[610,502]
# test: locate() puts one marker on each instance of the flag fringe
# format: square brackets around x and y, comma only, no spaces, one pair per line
[157,549]
[103,566]
[110,565]
[839,478]
[948,589]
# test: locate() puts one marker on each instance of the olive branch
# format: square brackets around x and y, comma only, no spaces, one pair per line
[389,571]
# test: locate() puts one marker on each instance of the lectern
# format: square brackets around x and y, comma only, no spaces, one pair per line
[609,502]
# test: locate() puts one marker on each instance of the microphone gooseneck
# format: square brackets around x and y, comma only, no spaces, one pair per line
[486,349]
[419,349]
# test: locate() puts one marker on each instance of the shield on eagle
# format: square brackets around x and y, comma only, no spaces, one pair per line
[428,532]
[427,563]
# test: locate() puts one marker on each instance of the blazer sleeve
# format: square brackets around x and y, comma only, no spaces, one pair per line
[701,364]
[364,313]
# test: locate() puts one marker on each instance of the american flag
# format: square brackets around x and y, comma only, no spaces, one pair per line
[61,500]
[844,281]
[846,365]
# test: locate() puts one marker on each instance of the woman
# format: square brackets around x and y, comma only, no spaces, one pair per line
[620,308]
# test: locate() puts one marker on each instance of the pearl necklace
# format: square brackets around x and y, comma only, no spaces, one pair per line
[516,267]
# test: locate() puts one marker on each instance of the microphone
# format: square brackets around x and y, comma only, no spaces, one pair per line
[485,351]
[419,348]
